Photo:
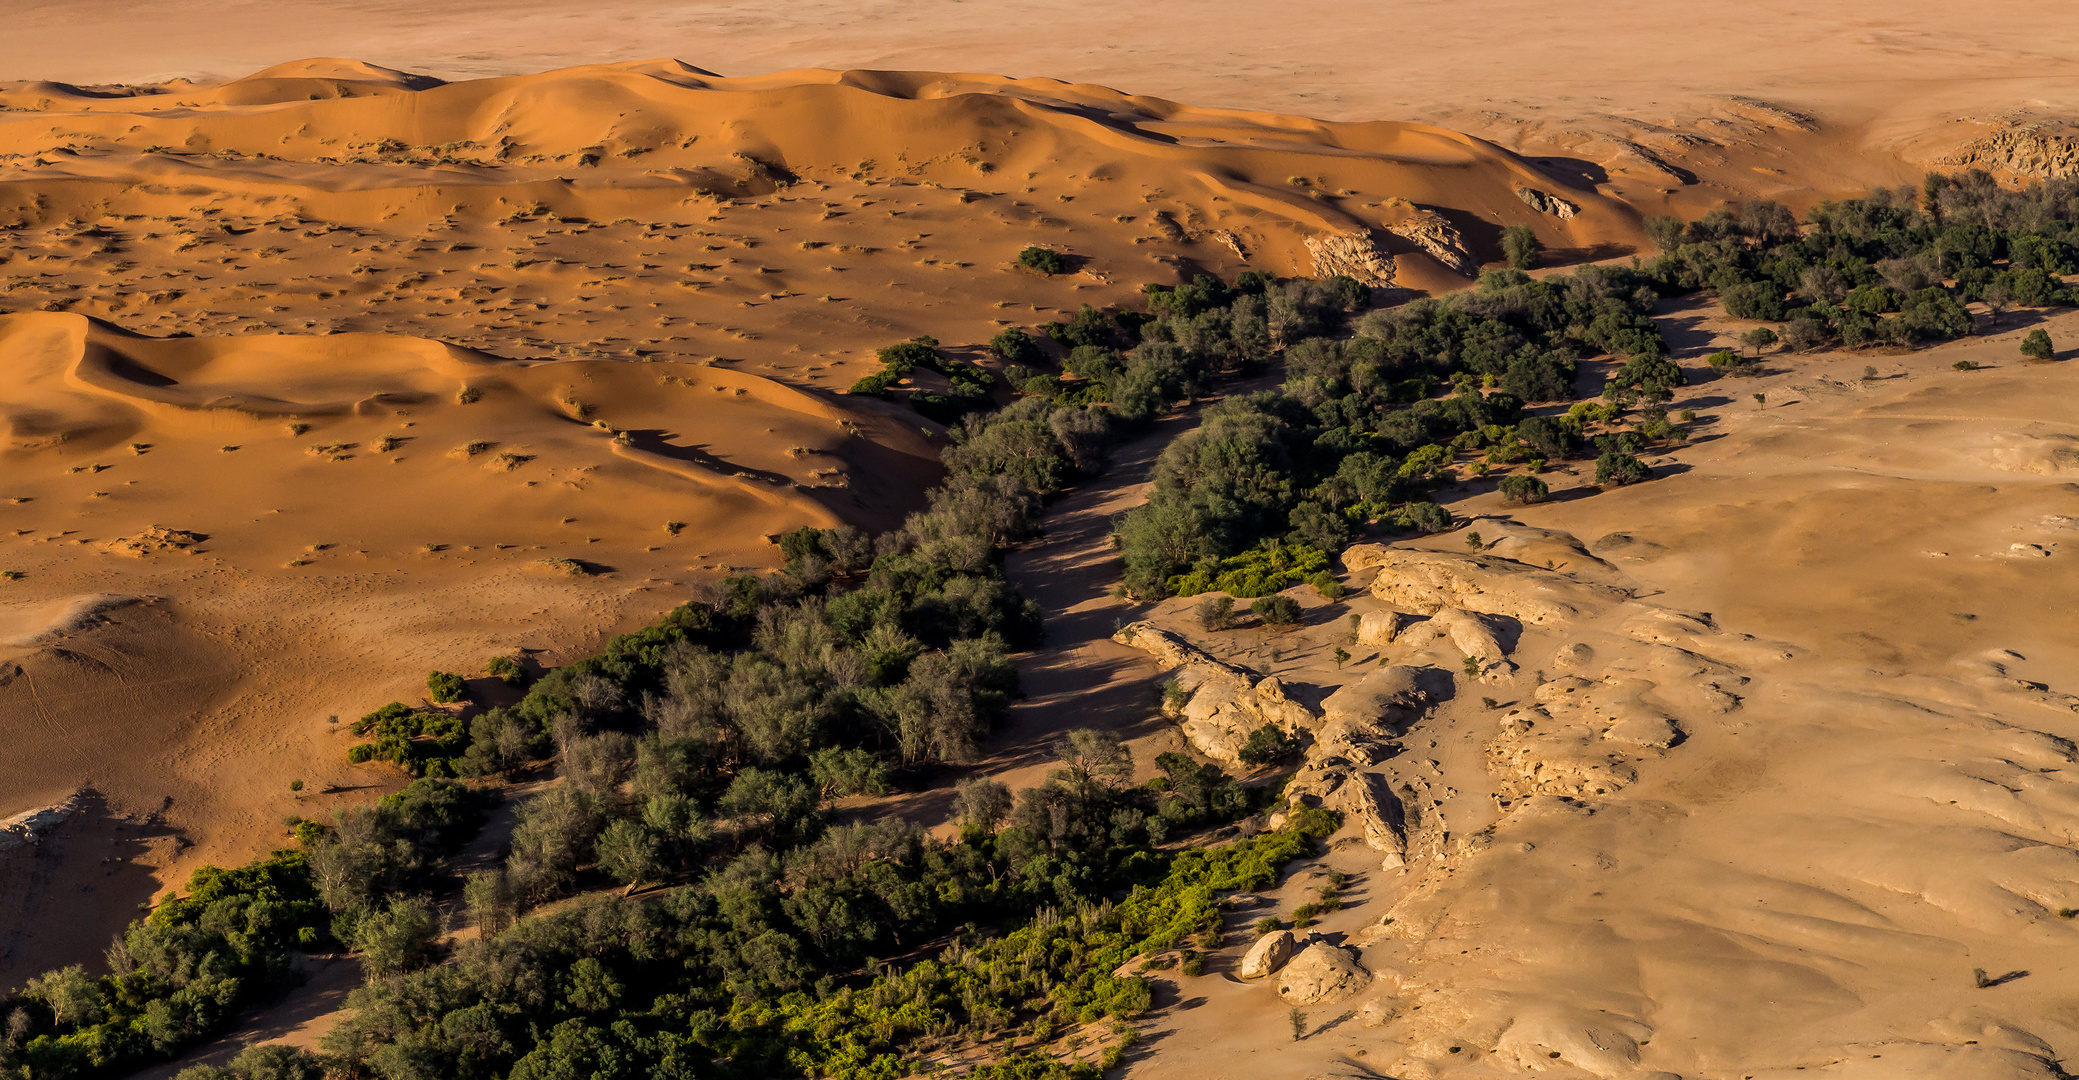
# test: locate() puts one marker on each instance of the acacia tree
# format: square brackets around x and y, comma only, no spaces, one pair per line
[1759,339]
[1998,297]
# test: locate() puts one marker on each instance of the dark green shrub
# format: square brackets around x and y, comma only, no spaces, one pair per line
[1015,346]
[2037,345]
[1520,490]
[1268,745]
[1615,468]
[1045,260]
[360,753]
[1215,613]
[1277,611]
[507,670]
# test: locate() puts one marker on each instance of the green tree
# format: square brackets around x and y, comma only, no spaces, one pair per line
[841,772]
[1521,246]
[981,804]
[1760,339]
[1015,346]
[2037,345]
[401,937]
[1665,230]
[488,895]
[630,854]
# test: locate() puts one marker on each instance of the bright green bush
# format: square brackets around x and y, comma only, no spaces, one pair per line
[1269,568]
[446,688]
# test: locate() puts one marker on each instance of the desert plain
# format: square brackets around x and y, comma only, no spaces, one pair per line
[507,333]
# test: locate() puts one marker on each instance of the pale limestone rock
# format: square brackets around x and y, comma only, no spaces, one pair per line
[1380,627]
[1439,240]
[1322,974]
[1657,732]
[1427,582]
[1379,1011]
[1355,254]
[1367,801]
[1270,953]
[1545,203]
[1223,704]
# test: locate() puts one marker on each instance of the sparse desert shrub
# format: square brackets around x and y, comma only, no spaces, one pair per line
[468,395]
[1215,613]
[566,567]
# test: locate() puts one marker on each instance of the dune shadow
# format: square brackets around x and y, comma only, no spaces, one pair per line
[658,441]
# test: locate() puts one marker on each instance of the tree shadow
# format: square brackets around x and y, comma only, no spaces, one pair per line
[1576,172]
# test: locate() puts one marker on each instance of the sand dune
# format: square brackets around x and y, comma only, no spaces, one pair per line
[222,542]
[324,363]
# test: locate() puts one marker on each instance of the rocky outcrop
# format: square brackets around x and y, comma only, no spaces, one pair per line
[1389,698]
[1323,974]
[1270,953]
[1427,582]
[1439,240]
[1364,799]
[1355,254]
[1545,203]
[153,540]
[2021,151]
[1221,705]
[29,826]
[1477,636]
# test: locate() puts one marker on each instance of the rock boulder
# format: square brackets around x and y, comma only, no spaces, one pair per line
[1270,953]
[1322,974]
